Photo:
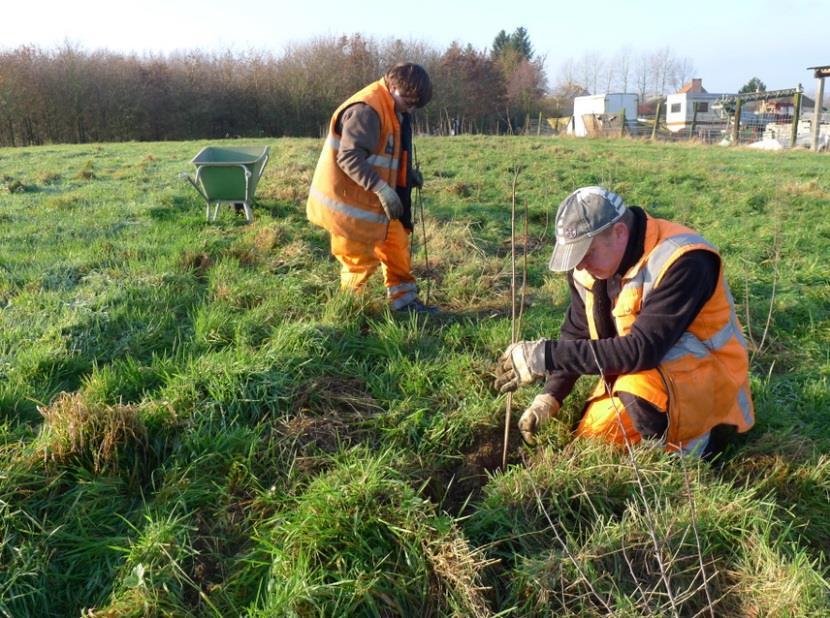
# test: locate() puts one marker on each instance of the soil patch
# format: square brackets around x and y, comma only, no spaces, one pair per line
[457,487]
[330,413]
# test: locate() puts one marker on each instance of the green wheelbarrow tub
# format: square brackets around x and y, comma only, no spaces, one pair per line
[229,175]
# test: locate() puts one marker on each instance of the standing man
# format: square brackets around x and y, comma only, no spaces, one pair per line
[650,312]
[361,190]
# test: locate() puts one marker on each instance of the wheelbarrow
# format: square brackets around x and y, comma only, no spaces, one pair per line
[228,176]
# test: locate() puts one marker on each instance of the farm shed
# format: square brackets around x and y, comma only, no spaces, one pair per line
[680,108]
[590,108]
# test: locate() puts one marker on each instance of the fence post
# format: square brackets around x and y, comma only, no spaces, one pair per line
[622,122]
[737,122]
[539,126]
[796,114]
[817,115]
[694,120]
[656,120]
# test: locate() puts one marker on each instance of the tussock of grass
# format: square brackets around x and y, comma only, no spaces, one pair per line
[360,541]
[87,172]
[151,580]
[457,572]
[13,185]
[590,495]
[105,439]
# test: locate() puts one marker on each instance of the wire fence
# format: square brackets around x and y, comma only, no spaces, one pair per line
[771,131]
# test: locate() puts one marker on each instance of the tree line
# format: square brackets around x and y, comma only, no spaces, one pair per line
[647,73]
[70,95]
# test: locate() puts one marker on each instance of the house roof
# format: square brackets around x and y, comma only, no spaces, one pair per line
[696,85]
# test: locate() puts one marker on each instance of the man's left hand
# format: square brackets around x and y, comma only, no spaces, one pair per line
[417,178]
[522,363]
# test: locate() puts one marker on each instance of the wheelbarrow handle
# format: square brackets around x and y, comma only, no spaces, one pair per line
[186,176]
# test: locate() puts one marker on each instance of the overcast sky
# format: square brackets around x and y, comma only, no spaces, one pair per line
[727,41]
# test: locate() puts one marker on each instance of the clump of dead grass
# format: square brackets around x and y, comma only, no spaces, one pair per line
[268,238]
[457,569]
[197,261]
[329,414]
[87,172]
[96,436]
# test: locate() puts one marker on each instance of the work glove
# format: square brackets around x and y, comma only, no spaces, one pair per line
[536,415]
[417,179]
[390,201]
[522,363]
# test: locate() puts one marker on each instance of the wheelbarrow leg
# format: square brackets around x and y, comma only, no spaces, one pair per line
[249,213]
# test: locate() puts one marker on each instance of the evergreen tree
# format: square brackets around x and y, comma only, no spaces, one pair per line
[516,44]
[501,42]
[753,85]
[520,41]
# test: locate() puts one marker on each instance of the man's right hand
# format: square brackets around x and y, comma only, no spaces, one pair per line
[390,201]
[537,414]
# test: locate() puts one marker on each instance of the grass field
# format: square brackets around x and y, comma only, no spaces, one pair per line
[195,422]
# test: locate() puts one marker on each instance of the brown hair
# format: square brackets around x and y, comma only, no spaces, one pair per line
[411,80]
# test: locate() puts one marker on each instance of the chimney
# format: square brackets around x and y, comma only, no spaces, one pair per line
[697,84]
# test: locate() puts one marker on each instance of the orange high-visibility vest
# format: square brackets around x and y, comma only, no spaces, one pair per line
[335,201]
[703,380]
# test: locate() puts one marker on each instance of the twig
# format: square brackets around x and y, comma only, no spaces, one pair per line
[776,260]
[419,203]
[658,551]
[524,253]
[748,319]
[509,404]
[697,535]
[547,222]
[564,545]
[634,575]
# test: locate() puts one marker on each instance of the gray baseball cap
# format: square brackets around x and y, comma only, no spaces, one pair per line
[581,216]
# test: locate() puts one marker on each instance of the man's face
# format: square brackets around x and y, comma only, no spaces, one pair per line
[605,253]
[403,104]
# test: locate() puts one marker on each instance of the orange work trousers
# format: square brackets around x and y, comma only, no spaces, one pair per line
[600,421]
[607,419]
[359,260]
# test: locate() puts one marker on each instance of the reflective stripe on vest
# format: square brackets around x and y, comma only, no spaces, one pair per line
[688,344]
[646,278]
[347,210]
[696,446]
[746,406]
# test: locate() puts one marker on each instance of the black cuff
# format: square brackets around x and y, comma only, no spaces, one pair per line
[549,354]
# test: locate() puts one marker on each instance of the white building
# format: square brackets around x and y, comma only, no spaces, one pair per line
[680,108]
[597,107]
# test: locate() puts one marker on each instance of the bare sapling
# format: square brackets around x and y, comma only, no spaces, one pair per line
[419,203]
[513,329]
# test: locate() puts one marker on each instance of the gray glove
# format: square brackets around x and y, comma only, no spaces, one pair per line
[522,363]
[417,179]
[536,415]
[390,201]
